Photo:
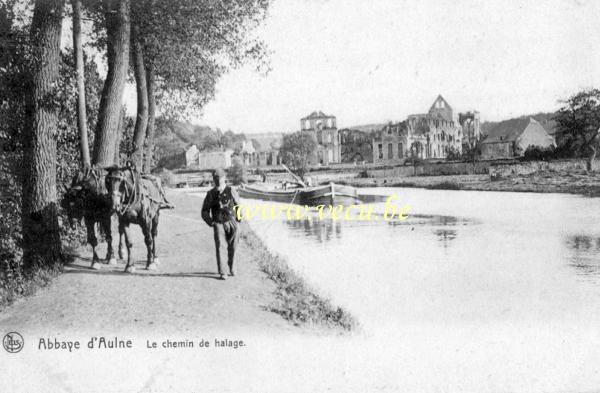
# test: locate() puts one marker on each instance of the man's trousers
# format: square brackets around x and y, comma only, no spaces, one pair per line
[226,233]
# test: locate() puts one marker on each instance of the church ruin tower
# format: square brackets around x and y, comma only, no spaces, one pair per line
[441,109]
[324,129]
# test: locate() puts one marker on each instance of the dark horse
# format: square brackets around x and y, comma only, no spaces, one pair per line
[88,199]
[137,200]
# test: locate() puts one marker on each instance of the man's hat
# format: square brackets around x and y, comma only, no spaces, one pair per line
[219,173]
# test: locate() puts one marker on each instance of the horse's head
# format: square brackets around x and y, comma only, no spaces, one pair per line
[120,186]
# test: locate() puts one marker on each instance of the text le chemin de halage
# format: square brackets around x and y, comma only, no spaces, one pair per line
[361,212]
[119,343]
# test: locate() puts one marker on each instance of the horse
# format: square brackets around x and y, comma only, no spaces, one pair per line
[88,199]
[136,199]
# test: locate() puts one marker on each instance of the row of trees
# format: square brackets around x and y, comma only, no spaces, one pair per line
[173,51]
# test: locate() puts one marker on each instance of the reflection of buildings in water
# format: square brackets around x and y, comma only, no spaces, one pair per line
[585,254]
[327,229]
[445,236]
[320,230]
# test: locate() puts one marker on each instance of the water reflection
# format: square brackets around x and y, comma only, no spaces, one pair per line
[323,231]
[320,231]
[584,254]
[445,236]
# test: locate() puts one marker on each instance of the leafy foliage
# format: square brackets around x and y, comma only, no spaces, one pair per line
[296,149]
[536,153]
[174,137]
[237,173]
[578,121]
[190,44]
[453,154]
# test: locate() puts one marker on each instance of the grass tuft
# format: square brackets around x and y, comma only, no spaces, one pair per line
[296,302]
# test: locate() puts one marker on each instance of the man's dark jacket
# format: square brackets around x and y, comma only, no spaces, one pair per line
[219,207]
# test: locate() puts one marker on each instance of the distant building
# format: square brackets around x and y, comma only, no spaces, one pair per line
[191,156]
[324,128]
[266,148]
[391,143]
[203,160]
[431,135]
[356,145]
[511,138]
[246,151]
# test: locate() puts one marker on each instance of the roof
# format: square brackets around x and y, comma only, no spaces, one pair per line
[266,141]
[316,115]
[508,130]
[439,98]
[368,127]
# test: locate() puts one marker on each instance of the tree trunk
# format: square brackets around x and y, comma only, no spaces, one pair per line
[81,113]
[117,32]
[41,236]
[149,154]
[590,163]
[119,137]
[141,121]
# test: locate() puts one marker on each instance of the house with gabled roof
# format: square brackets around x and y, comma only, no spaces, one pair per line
[510,138]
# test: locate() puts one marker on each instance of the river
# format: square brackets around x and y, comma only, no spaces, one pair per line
[473,289]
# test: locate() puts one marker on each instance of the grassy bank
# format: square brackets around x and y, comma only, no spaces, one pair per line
[296,302]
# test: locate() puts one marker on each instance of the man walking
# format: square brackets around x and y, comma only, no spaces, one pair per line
[218,211]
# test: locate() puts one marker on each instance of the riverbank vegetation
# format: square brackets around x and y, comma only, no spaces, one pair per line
[580,182]
[296,301]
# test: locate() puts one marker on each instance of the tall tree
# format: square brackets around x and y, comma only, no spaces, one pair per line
[118,25]
[79,69]
[578,123]
[150,129]
[141,121]
[186,46]
[41,236]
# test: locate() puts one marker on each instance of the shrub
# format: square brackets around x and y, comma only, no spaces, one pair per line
[363,174]
[536,153]
[453,154]
[237,173]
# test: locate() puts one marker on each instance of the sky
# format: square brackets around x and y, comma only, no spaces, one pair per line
[381,60]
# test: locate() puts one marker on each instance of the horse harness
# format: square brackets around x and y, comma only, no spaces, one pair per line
[137,192]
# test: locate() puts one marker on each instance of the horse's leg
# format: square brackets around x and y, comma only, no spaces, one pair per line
[93,240]
[124,225]
[146,230]
[154,234]
[121,243]
[106,227]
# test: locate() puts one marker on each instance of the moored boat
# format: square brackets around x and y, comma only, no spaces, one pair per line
[328,194]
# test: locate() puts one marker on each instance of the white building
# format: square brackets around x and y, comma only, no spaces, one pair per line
[207,160]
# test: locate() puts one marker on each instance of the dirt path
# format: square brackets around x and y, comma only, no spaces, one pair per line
[182,296]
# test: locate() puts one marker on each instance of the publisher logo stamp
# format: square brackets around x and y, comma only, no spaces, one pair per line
[13,342]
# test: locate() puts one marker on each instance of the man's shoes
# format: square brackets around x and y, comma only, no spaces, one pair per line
[221,276]
[231,272]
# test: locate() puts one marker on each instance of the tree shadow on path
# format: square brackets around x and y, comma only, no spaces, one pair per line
[73,268]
